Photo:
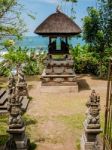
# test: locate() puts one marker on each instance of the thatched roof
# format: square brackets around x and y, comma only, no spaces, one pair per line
[58,24]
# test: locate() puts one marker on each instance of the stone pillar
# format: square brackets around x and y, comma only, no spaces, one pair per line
[92,126]
[21,85]
[18,139]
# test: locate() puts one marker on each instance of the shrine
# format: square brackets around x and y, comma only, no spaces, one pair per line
[59,65]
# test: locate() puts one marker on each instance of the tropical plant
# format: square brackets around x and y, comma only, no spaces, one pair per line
[95,34]
[10,19]
[34,65]
[84,60]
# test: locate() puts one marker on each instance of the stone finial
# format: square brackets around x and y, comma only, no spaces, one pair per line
[58,9]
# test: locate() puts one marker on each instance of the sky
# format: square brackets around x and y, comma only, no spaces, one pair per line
[41,9]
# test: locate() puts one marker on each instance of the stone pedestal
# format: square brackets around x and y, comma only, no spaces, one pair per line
[18,140]
[58,80]
[59,89]
[89,139]
[92,129]
[59,72]
[16,129]
[21,86]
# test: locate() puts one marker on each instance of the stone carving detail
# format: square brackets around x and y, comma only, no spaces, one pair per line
[93,117]
[62,66]
[92,127]
[18,139]
[14,108]
[59,71]
[11,83]
[21,86]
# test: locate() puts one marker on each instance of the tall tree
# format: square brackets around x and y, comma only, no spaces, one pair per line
[105,9]
[97,29]
[10,18]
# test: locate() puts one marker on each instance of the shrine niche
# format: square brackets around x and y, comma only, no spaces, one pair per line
[59,65]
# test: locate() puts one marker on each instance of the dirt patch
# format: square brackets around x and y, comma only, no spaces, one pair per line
[60,115]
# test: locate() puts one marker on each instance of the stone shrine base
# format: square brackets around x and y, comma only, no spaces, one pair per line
[58,83]
[85,145]
[59,89]
[59,80]
[18,140]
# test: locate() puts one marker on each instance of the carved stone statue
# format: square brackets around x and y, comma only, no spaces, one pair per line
[14,108]
[11,83]
[18,139]
[21,86]
[20,76]
[92,123]
[93,117]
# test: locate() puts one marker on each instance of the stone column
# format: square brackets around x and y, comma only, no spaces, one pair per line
[18,139]
[92,126]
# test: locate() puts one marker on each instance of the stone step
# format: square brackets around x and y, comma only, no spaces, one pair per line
[3,99]
[25,103]
[2,92]
[59,89]
[4,106]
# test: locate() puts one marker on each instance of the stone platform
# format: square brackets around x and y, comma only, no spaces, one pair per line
[59,89]
[59,72]
[58,80]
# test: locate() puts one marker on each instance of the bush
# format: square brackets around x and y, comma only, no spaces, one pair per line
[84,61]
[32,62]
[34,65]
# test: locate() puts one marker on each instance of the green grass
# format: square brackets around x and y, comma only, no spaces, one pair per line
[73,121]
[77,143]
[3,129]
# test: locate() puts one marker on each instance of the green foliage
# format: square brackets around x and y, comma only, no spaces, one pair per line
[105,9]
[91,27]
[34,65]
[98,33]
[84,61]
[3,126]
[5,5]
[15,56]
[10,19]
[32,62]
[29,120]
[4,71]
[87,61]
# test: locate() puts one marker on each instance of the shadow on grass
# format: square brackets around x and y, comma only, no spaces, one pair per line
[83,85]
[3,140]
[33,146]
